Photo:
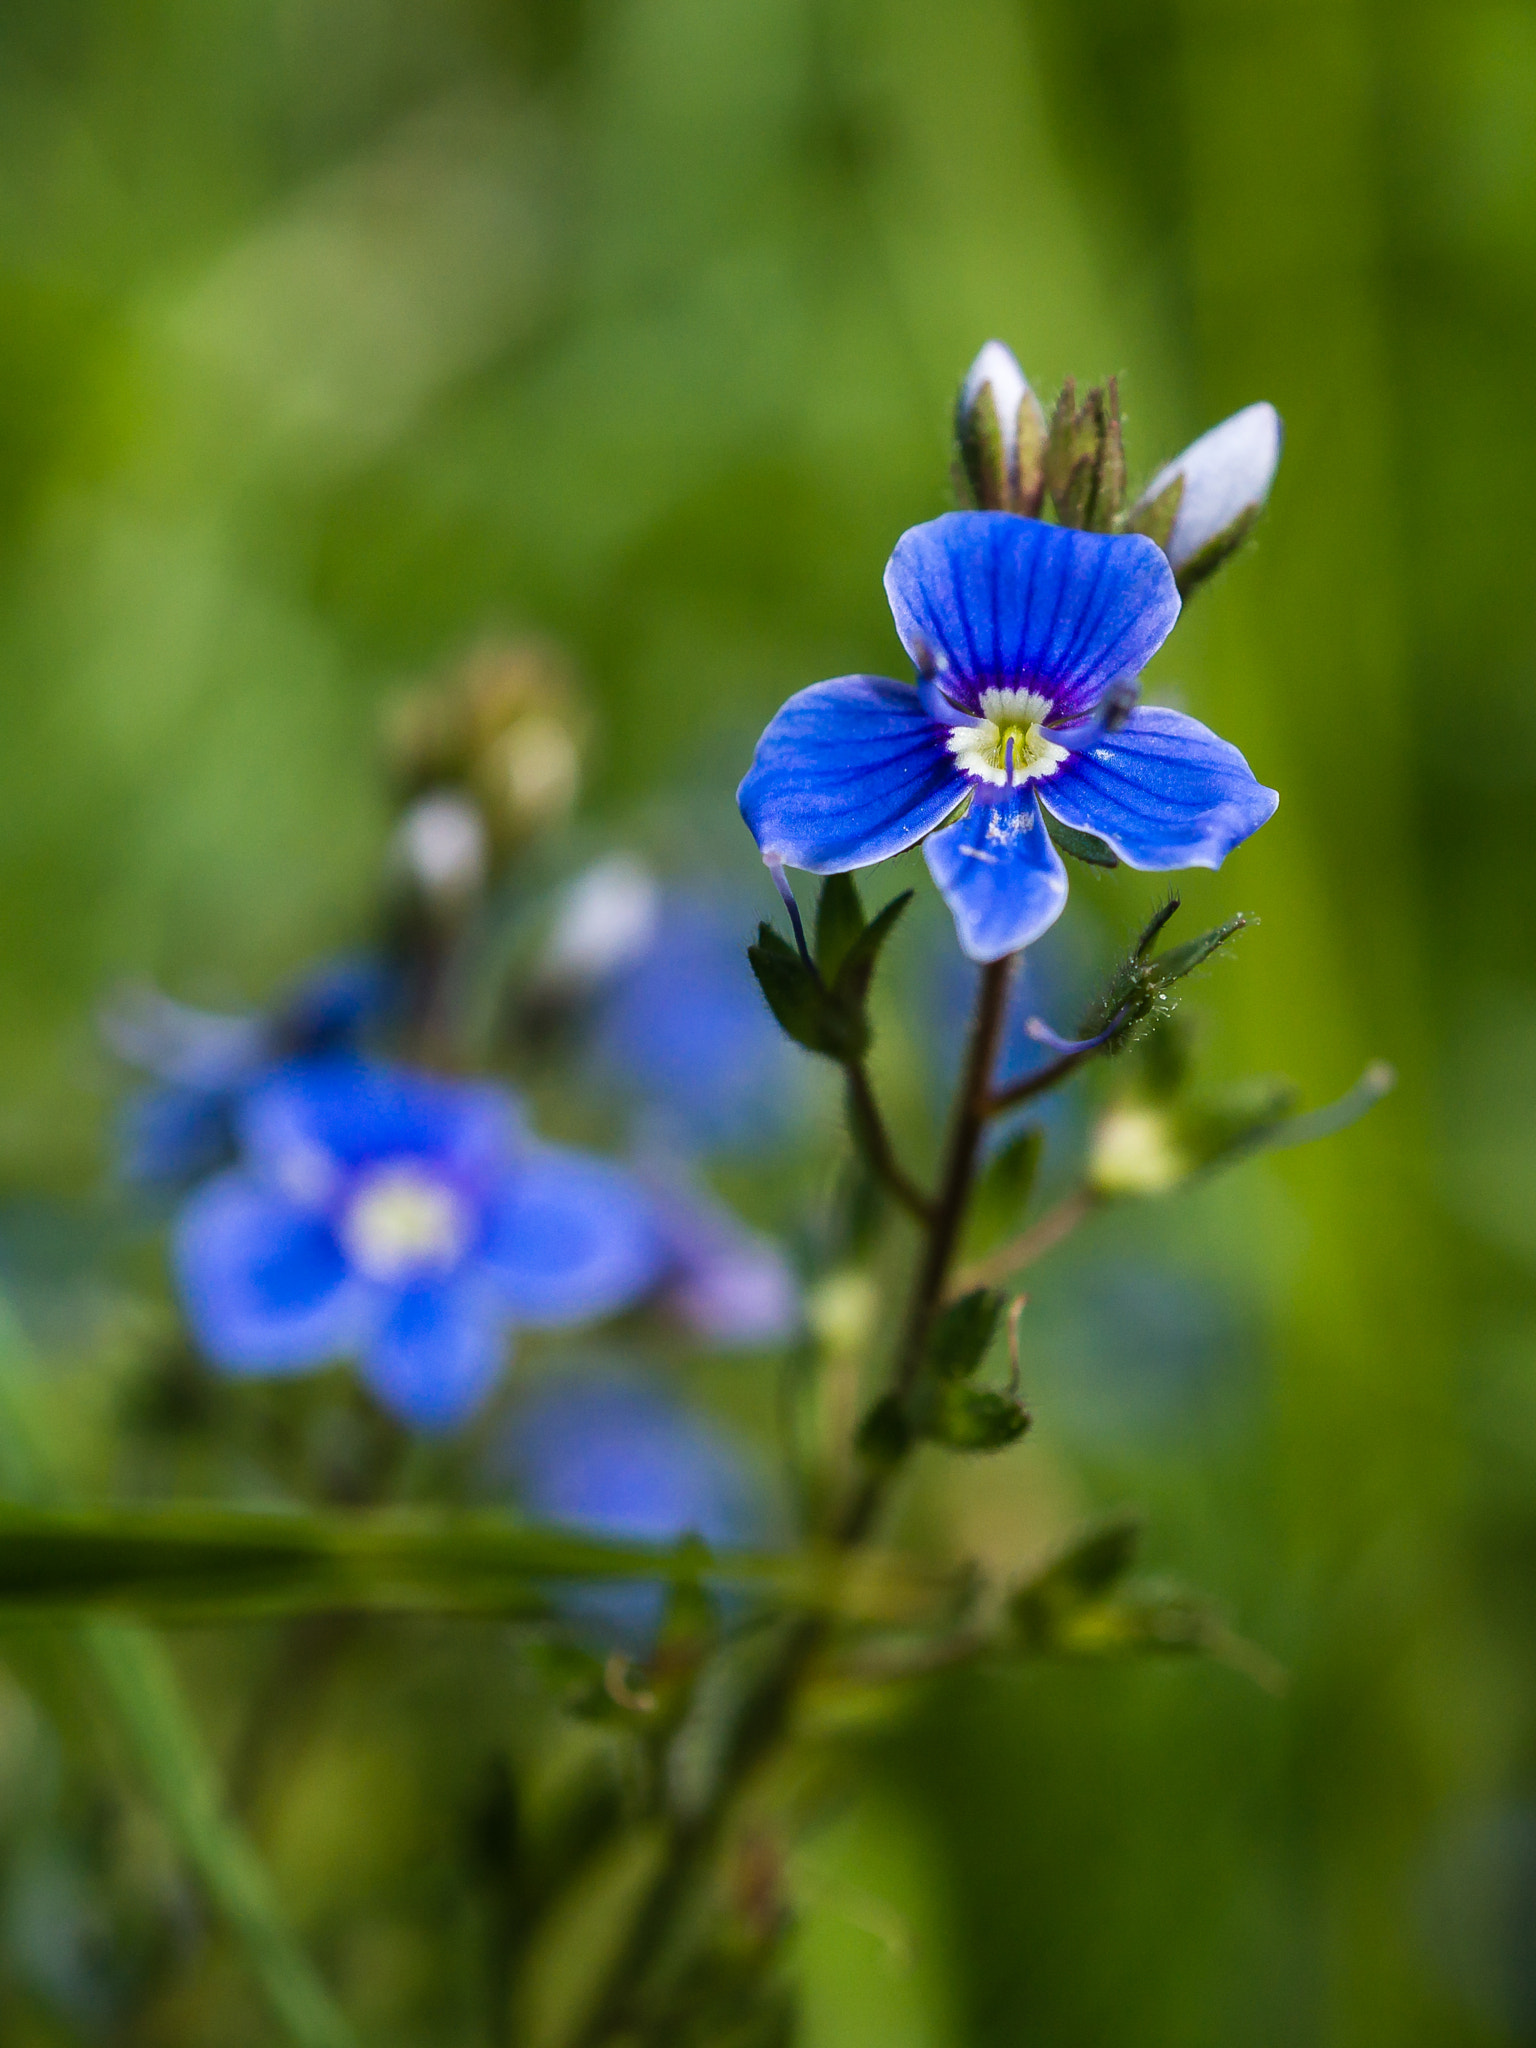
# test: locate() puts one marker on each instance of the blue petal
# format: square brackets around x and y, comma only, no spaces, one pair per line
[569,1238]
[264,1285]
[986,599]
[1163,790]
[613,1456]
[317,1119]
[848,773]
[999,873]
[729,1285]
[439,1352]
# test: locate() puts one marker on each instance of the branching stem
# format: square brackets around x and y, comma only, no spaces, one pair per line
[874,1141]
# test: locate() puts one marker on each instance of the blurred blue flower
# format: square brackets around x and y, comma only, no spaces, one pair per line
[409,1221]
[1026,638]
[729,1286]
[175,1134]
[676,1020]
[615,1456]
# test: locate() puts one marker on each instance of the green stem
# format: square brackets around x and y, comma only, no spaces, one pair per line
[693,1839]
[131,1671]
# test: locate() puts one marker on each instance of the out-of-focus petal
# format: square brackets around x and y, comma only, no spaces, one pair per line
[1164,791]
[847,774]
[316,1120]
[615,1456]
[569,1238]
[264,1285]
[999,873]
[986,600]
[731,1286]
[439,1351]
[201,1049]
[1227,475]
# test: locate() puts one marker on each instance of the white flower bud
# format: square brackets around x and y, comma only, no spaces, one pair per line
[998,366]
[1227,476]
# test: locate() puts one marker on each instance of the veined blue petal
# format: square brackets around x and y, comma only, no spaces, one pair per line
[999,873]
[264,1284]
[439,1352]
[569,1239]
[988,600]
[1164,791]
[848,773]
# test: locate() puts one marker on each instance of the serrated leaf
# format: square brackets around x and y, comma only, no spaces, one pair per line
[798,999]
[839,924]
[959,1338]
[968,1418]
[1082,846]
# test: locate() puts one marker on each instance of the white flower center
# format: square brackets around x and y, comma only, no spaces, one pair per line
[1008,743]
[403,1220]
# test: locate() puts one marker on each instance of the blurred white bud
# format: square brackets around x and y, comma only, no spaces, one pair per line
[1134,1151]
[440,845]
[605,920]
[998,366]
[1227,475]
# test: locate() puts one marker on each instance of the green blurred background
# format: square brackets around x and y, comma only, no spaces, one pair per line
[334,333]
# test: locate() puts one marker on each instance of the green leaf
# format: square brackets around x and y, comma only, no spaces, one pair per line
[839,923]
[1140,987]
[885,1434]
[858,967]
[1079,1575]
[1003,1190]
[959,1338]
[970,1418]
[1080,845]
[797,998]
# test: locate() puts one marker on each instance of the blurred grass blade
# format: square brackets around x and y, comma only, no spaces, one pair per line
[217,1563]
[128,1666]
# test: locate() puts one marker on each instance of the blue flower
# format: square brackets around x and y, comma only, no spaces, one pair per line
[175,1134]
[1026,638]
[406,1220]
[676,1020]
[615,1456]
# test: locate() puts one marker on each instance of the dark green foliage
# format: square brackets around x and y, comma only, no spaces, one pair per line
[959,1338]
[1141,987]
[969,1418]
[823,1006]
[1084,846]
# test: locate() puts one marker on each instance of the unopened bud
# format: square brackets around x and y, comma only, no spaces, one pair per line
[1000,433]
[1135,1150]
[439,845]
[1200,506]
